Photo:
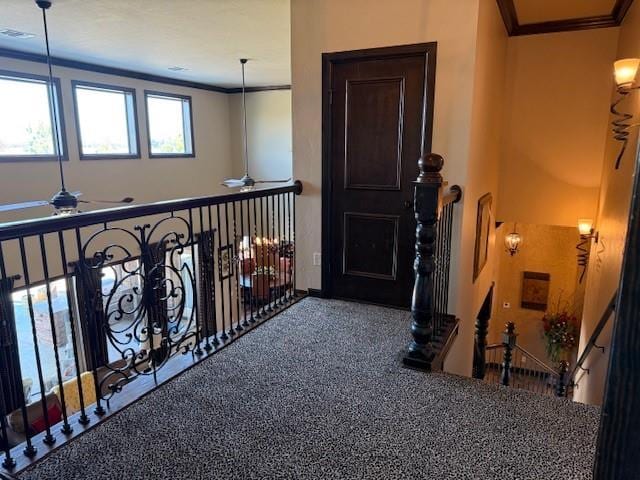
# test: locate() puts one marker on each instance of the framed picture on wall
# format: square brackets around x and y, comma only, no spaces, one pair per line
[483,226]
[226,255]
[535,290]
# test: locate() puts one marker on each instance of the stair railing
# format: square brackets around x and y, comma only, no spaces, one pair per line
[591,344]
[509,364]
[432,325]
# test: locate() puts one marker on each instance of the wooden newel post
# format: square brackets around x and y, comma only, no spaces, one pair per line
[509,343]
[563,374]
[427,207]
[482,328]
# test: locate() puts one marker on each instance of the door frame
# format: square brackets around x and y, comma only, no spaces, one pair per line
[429,51]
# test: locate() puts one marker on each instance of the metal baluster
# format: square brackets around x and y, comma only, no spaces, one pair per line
[255,228]
[231,331]
[251,259]
[243,261]
[66,428]
[215,341]
[9,463]
[280,259]
[194,296]
[48,439]
[261,277]
[205,307]
[223,327]
[295,249]
[29,451]
[269,252]
[84,419]
[236,264]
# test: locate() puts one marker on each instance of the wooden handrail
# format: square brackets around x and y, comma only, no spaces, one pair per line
[452,196]
[527,353]
[37,226]
[594,336]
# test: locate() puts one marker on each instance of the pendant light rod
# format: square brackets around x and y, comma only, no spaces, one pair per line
[44,5]
[243,61]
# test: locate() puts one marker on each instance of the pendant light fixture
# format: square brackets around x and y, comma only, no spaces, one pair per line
[512,241]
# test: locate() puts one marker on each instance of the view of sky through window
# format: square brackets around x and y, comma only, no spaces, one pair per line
[25,123]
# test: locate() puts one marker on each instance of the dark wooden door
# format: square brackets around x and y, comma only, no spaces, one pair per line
[379,120]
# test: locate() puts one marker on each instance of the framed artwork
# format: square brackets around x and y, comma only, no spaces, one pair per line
[483,229]
[535,291]
[226,254]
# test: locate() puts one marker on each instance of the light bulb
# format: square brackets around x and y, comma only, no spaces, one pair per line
[585,226]
[625,71]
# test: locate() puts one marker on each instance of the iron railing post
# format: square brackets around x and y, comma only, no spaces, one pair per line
[509,343]
[563,374]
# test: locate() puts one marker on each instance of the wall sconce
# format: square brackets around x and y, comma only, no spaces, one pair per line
[513,241]
[625,71]
[587,233]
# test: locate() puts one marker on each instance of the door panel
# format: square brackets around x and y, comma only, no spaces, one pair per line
[373,132]
[376,137]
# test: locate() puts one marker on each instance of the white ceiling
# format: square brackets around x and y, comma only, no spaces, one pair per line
[205,36]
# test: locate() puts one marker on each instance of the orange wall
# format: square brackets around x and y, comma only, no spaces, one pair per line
[555,124]
[606,256]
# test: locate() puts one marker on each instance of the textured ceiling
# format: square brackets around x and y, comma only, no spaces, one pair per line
[535,11]
[205,36]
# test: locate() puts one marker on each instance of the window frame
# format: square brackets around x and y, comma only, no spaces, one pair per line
[62,137]
[187,98]
[132,115]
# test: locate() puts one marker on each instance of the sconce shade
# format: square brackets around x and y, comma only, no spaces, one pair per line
[585,226]
[625,71]
[512,241]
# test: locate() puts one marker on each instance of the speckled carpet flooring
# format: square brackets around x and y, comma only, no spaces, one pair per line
[318,393]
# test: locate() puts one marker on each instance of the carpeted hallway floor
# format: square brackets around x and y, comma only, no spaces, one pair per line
[318,393]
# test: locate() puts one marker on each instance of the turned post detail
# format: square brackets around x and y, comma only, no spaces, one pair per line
[509,343]
[482,328]
[563,379]
[427,207]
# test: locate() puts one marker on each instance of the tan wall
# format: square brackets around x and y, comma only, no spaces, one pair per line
[545,249]
[557,99]
[145,179]
[269,134]
[606,256]
[483,170]
[336,25]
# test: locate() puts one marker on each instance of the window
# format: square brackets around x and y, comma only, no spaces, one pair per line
[44,325]
[26,119]
[106,120]
[169,124]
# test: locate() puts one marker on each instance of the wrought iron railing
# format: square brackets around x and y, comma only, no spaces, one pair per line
[509,364]
[98,308]
[433,325]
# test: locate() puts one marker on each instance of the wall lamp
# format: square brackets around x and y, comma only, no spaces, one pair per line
[512,241]
[625,71]
[587,233]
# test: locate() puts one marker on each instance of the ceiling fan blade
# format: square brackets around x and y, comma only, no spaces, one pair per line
[20,206]
[116,202]
[274,181]
[233,183]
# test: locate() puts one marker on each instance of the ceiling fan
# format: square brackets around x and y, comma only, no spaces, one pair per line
[63,202]
[246,182]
